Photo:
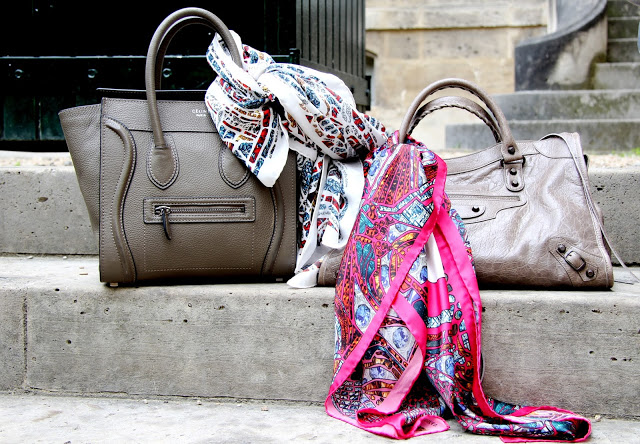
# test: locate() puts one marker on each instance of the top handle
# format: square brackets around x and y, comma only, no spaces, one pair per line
[510,152]
[168,37]
[456,102]
[165,28]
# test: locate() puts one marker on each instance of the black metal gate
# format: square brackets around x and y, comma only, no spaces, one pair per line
[55,53]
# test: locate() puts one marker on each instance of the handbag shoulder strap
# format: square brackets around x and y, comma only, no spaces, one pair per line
[590,203]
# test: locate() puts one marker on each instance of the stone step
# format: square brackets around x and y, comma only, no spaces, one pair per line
[622,27]
[45,213]
[41,418]
[623,75]
[623,50]
[64,332]
[598,136]
[570,105]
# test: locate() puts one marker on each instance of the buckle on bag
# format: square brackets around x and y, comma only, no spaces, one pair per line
[521,162]
[513,177]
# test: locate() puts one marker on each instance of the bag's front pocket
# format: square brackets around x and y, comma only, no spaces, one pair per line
[474,208]
[192,236]
[168,211]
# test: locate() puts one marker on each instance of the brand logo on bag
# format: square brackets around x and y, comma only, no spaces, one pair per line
[200,112]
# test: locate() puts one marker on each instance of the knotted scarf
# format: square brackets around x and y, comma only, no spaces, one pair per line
[263,109]
[408,314]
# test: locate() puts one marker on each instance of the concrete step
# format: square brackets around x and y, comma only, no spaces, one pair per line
[39,418]
[64,332]
[622,27]
[45,213]
[623,50]
[571,105]
[617,75]
[598,135]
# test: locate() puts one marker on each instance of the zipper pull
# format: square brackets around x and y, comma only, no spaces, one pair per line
[164,212]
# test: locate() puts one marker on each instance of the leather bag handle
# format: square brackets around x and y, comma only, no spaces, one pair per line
[460,103]
[510,151]
[195,15]
[168,37]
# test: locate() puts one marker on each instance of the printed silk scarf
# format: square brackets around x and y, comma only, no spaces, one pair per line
[408,315]
[263,109]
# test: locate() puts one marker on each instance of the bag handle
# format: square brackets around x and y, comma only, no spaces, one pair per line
[168,37]
[460,103]
[512,157]
[510,151]
[194,15]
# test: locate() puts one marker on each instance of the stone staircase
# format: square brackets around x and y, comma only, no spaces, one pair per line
[64,332]
[607,116]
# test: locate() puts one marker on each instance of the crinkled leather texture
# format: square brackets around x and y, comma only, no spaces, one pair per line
[529,237]
[515,236]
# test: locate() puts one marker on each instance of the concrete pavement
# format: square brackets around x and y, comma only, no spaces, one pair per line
[37,418]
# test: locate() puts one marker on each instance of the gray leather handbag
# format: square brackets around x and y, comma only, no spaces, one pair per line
[526,205]
[168,198]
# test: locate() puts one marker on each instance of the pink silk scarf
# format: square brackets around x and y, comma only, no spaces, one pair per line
[408,323]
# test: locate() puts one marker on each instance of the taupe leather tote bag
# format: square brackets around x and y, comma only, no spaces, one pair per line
[526,204]
[168,198]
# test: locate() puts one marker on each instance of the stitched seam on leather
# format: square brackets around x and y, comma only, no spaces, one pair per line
[124,194]
[248,201]
[199,268]
[144,248]
[174,173]
[292,258]
[251,267]
[102,186]
[272,193]
[126,187]
[226,180]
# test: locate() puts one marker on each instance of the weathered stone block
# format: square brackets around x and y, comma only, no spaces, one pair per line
[268,341]
[12,340]
[617,192]
[440,14]
[43,212]
[247,341]
[574,350]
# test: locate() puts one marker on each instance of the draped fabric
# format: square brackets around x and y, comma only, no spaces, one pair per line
[263,109]
[408,320]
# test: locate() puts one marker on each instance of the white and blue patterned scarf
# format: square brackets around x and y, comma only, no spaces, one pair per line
[264,108]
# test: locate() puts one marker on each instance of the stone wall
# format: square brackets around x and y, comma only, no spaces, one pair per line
[415,42]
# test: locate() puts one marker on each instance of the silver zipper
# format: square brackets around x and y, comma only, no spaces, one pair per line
[165,210]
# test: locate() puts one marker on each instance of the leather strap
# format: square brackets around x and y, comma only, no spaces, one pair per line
[590,204]
[460,103]
[157,40]
[511,153]
[168,37]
